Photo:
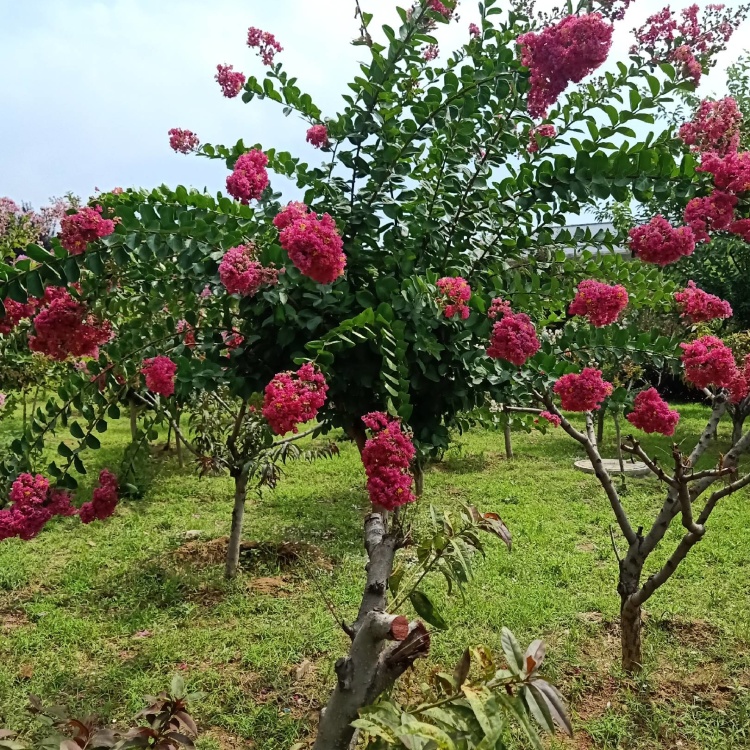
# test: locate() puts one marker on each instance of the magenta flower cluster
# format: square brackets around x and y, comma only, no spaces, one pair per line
[317,136]
[699,306]
[453,294]
[249,178]
[513,335]
[583,391]
[231,81]
[293,398]
[33,504]
[535,134]
[183,141]
[66,328]
[387,458]
[160,375]
[88,225]
[652,414]
[242,273]
[312,242]
[708,361]
[104,500]
[600,303]
[265,43]
[560,54]
[715,127]
[660,243]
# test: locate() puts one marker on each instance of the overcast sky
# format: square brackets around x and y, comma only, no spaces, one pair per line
[91,87]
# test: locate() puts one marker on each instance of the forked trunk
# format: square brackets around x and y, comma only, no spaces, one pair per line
[238,516]
[357,433]
[418,477]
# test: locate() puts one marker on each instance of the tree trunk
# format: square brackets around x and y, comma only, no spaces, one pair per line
[630,625]
[133,420]
[177,441]
[600,426]
[372,666]
[238,515]
[357,433]
[418,477]
[738,422]
[508,440]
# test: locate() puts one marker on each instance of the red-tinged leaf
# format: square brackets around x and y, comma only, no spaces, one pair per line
[492,523]
[461,671]
[103,738]
[183,739]
[556,705]
[187,721]
[534,656]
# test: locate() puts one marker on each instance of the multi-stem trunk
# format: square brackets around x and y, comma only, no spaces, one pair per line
[238,516]
[600,417]
[738,423]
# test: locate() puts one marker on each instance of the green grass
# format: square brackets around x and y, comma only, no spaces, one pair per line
[95,617]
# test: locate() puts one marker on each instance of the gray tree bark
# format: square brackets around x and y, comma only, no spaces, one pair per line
[238,516]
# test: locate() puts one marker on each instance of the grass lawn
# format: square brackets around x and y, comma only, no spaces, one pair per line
[95,617]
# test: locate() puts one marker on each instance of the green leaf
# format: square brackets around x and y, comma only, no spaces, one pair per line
[512,650]
[426,610]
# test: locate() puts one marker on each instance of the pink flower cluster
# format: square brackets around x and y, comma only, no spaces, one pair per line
[33,504]
[709,361]
[661,243]
[265,43]
[583,392]
[615,9]
[513,339]
[742,228]
[387,457]
[312,242]
[474,31]
[183,141]
[553,419]
[232,339]
[431,52]
[185,328]
[160,375]
[652,413]
[730,172]
[715,127]
[440,8]
[77,230]
[542,131]
[103,501]
[65,328]
[317,136]
[564,53]
[230,80]
[740,386]
[15,312]
[250,177]
[293,398]
[600,303]
[498,308]
[700,306]
[689,41]
[714,212]
[453,294]
[241,273]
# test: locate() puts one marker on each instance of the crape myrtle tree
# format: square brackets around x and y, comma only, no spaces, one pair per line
[424,276]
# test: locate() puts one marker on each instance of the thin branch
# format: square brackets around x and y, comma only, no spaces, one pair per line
[171,421]
[596,461]
[683,494]
[720,406]
[719,494]
[614,544]
[635,449]
[298,436]
[224,405]
[232,441]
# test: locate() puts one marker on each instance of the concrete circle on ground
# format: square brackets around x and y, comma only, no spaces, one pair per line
[612,465]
